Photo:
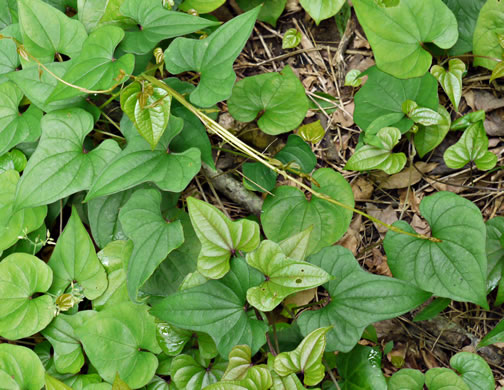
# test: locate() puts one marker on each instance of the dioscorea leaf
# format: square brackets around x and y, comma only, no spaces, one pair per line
[60,165]
[421,115]
[486,39]
[494,251]
[280,97]
[21,315]
[427,138]
[74,259]
[289,212]
[471,147]
[153,236]
[357,299]
[9,58]
[453,268]
[94,14]
[496,335]
[438,378]
[270,10]
[212,57]
[202,6]
[361,369]
[68,356]
[256,378]
[451,79]
[474,371]
[217,306]
[14,126]
[284,276]
[383,95]
[122,340]
[95,68]
[407,379]
[52,383]
[322,9]
[397,41]
[296,246]
[61,34]
[156,23]
[190,372]
[138,163]
[220,238]
[20,368]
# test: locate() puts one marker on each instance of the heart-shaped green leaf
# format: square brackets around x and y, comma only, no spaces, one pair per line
[397,41]
[14,159]
[202,6]
[384,95]
[220,238]
[148,107]
[467,120]
[256,378]
[474,370]
[196,373]
[87,382]
[94,14]
[296,246]
[52,383]
[217,306]
[288,212]
[494,251]
[68,356]
[406,379]
[284,276]
[280,97]
[138,164]
[122,339]
[96,68]
[154,238]
[297,154]
[212,57]
[451,80]
[9,58]
[306,358]
[488,28]
[22,276]
[14,126]
[171,339]
[443,378]
[471,147]
[421,115]
[156,23]
[8,13]
[427,138]
[312,132]
[74,259]
[453,268]
[15,224]
[60,165]
[361,369]
[62,35]
[240,359]
[258,177]
[358,299]
[372,157]
[21,367]
[270,10]
[322,9]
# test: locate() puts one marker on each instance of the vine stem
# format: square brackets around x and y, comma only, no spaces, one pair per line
[227,136]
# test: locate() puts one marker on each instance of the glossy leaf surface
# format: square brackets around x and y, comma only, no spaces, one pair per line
[427,138]
[20,367]
[489,26]
[322,9]
[361,368]
[474,370]
[451,79]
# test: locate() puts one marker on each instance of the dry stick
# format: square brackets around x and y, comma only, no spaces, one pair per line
[215,128]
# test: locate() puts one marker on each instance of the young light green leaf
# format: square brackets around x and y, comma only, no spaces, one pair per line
[22,276]
[384,95]
[68,355]
[156,23]
[21,366]
[257,378]
[121,340]
[148,108]
[153,237]
[427,138]
[217,306]
[94,14]
[474,370]
[213,57]
[494,251]
[270,10]
[471,147]
[284,276]
[220,238]
[202,6]
[432,309]
[322,9]
[486,34]
[452,268]
[398,41]
[138,164]
[280,97]
[406,379]
[240,359]
[372,157]
[312,132]
[74,259]
[496,335]
[358,299]
[52,383]
[498,71]
[87,382]
[361,368]
[353,78]
[451,80]
[468,119]
[288,212]
[15,159]
[291,39]
[443,378]
[422,115]
[14,126]
[190,373]
[15,224]
[60,165]
[306,358]
[171,339]
[296,246]
[95,68]
[297,154]
[119,384]
[62,35]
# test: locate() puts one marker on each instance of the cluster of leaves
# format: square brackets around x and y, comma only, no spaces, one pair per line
[189,300]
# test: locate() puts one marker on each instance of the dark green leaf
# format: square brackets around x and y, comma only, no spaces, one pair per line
[474,370]
[297,154]
[494,251]
[361,369]
[258,177]
[270,11]
[427,138]
[496,335]
[322,9]
[432,309]
[406,379]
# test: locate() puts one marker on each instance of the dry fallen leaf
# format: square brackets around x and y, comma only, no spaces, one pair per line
[301,298]
[362,189]
[420,225]
[413,200]
[380,263]
[343,118]
[351,239]
[407,177]
[387,215]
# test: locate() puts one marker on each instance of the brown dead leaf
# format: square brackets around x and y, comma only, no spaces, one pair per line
[293,6]
[387,215]
[301,298]
[420,225]
[380,263]
[307,44]
[343,118]
[309,81]
[494,123]
[362,189]
[469,348]
[413,200]
[360,43]
[407,177]
[486,101]
[429,359]
[351,239]
[448,187]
